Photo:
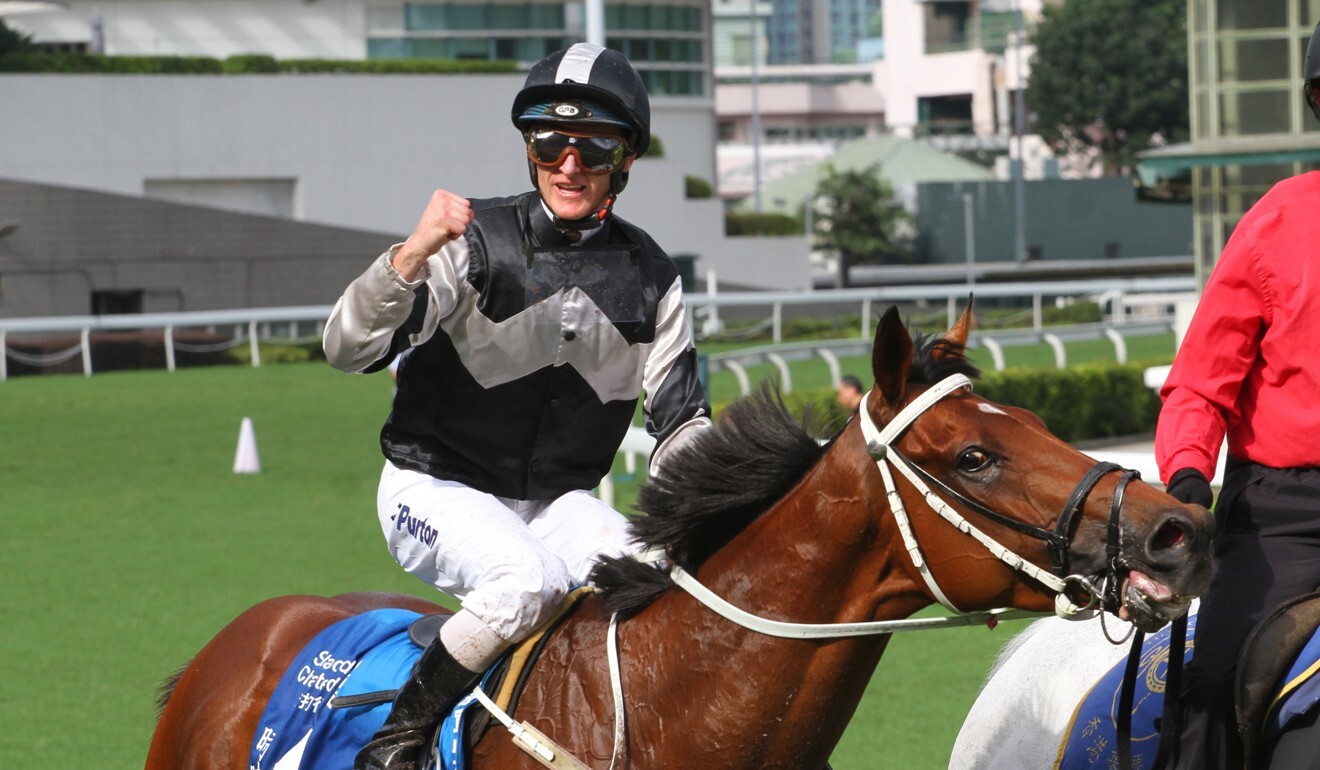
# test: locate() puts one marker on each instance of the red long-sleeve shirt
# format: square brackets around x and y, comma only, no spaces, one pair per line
[1249,365]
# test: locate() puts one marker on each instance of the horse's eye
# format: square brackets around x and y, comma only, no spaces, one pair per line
[974,460]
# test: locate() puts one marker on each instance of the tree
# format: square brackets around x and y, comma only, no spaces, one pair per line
[12,41]
[1109,77]
[858,218]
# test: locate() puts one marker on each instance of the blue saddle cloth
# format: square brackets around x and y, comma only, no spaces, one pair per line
[1092,738]
[367,653]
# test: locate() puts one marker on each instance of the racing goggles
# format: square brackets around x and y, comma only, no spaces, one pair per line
[596,154]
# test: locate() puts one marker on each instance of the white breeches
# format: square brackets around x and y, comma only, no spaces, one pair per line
[510,562]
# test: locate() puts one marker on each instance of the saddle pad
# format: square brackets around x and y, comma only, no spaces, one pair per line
[365,653]
[1299,693]
[1091,740]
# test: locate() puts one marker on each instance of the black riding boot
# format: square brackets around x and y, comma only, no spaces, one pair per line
[436,684]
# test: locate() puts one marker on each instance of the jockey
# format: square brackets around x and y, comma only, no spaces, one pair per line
[1247,370]
[533,324]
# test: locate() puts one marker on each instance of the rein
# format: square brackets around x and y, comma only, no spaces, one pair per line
[880,443]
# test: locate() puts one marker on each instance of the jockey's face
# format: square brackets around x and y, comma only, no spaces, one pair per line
[567,187]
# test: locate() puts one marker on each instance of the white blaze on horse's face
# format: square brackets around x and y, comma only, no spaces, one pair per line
[990,409]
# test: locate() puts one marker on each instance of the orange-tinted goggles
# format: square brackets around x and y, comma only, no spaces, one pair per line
[596,154]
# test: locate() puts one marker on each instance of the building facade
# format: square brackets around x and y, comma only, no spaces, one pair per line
[1249,125]
[820,31]
[668,40]
[1246,64]
[351,151]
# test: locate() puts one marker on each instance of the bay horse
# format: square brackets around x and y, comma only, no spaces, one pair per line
[803,535]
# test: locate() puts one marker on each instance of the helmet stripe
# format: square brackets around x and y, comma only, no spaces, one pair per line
[577,63]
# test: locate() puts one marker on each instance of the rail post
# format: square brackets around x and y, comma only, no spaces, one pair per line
[87,351]
[169,347]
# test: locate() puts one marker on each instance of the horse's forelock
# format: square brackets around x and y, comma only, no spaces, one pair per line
[935,358]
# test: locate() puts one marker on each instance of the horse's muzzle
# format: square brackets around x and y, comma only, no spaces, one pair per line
[1166,567]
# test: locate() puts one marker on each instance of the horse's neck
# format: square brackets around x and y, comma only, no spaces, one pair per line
[827,553]
[698,685]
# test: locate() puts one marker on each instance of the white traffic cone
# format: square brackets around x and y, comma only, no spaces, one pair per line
[246,459]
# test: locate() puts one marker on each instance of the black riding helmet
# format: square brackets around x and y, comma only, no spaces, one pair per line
[1311,72]
[586,84]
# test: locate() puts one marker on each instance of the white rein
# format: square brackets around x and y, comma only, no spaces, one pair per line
[878,442]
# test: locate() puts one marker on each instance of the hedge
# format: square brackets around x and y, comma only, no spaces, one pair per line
[770,223]
[696,188]
[1082,403]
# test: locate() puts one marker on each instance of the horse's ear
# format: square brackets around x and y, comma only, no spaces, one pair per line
[891,357]
[959,332]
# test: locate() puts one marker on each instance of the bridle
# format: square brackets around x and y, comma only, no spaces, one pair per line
[1058,541]
[1076,596]
[1068,589]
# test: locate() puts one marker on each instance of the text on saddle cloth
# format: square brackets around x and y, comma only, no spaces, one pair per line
[358,663]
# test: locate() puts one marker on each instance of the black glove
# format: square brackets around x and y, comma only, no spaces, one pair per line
[1191,486]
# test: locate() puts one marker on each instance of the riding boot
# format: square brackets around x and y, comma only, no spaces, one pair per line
[436,684]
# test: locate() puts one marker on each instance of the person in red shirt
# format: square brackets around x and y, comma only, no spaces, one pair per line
[1249,370]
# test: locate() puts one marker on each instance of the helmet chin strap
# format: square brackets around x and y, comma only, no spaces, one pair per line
[573,228]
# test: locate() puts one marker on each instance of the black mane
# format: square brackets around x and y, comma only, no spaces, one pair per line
[730,474]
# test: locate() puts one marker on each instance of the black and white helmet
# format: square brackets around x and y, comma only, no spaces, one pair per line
[586,84]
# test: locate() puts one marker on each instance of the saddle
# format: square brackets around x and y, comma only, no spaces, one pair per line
[333,695]
[1265,677]
[507,676]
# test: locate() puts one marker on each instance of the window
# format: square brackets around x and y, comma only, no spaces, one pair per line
[944,115]
[946,26]
[423,48]
[509,17]
[469,48]
[116,301]
[1250,60]
[389,48]
[1251,14]
[424,17]
[469,16]
[1255,112]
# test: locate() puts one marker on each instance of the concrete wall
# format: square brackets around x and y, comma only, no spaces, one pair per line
[67,244]
[361,152]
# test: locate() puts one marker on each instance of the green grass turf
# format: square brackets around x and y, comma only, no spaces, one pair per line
[127,543]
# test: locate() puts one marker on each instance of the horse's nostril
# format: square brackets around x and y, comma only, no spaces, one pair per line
[1170,535]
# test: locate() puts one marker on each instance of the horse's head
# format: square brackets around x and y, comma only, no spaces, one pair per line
[1080,528]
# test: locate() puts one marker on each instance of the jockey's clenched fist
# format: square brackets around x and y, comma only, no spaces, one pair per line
[446,217]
